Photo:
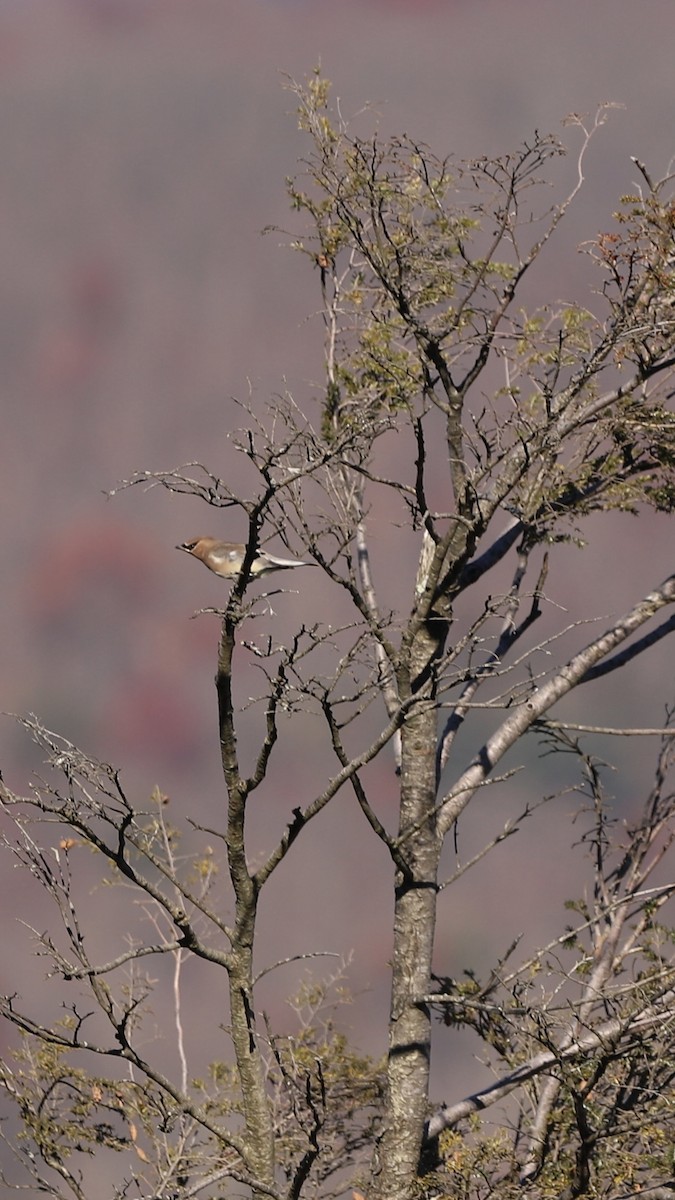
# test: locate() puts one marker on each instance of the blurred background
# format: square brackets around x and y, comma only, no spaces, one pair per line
[144,146]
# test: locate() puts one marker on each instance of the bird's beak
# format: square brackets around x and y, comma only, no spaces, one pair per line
[183,548]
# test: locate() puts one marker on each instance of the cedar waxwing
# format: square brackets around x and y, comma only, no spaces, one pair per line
[226,558]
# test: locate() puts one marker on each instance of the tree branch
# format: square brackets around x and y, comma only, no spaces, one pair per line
[545,697]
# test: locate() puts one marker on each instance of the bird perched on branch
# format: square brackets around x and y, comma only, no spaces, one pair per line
[226,558]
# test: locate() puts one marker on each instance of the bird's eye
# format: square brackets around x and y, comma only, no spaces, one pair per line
[189,545]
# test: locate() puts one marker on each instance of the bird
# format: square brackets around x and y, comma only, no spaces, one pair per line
[226,558]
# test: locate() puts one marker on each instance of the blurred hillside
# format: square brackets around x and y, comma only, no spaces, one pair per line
[144,146]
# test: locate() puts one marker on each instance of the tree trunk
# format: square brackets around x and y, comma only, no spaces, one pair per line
[414,926]
[250,1065]
[255,1101]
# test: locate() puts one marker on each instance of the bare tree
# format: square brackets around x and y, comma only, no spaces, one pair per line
[527,423]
